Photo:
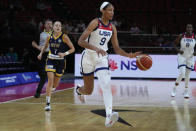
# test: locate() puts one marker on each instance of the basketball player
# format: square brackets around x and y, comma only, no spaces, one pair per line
[42,62]
[95,58]
[55,64]
[185,58]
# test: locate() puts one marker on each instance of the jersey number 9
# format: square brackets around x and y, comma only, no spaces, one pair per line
[187,44]
[102,41]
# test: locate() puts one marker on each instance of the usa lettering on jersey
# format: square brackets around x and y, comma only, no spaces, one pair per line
[101,36]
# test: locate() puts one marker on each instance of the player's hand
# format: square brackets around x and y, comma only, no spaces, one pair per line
[181,52]
[133,55]
[61,54]
[101,52]
[39,57]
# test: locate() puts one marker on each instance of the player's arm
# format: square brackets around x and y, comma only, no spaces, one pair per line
[34,44]
[69,43]
[81,42]
[44,48]
[117,48]
[176,43]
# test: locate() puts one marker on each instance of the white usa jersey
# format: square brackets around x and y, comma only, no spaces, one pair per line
[187,44]
[100,36]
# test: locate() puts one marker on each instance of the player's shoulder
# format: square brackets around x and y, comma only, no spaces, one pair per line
[64,35]
[181,35]
[93,24]
[42,32]
[113,27]
[94,21]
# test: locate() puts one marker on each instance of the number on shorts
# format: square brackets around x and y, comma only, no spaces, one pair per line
[102,41]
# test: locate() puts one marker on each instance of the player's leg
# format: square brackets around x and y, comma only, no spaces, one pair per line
[56,82]
[178,80]
[181,67]
[104,82]
[180,76]
[87,88]
[187,79]
[50,69]
[58,75]
[48,90]
[189,68]
[87,70]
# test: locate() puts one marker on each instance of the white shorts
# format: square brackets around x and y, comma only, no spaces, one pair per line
[188,62]
[91,62]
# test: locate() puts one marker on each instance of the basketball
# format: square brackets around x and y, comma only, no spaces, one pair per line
[144,62]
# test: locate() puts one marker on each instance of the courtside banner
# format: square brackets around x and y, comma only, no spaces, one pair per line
[27,77]
[37,76]
[9,80]
[163,66]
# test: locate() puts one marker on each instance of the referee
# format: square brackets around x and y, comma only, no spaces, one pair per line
[41,64]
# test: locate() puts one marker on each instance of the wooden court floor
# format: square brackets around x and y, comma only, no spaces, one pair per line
[143,105]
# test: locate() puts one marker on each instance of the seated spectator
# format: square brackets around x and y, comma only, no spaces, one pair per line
[160,40]
[135,29]
[81,26]
[12,54]
[167,45]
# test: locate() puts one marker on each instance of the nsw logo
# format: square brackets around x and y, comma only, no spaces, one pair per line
[113,65]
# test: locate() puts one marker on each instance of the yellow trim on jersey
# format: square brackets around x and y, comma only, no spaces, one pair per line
[57,36]
[53,70]
[48,32]
[63,38]
[49,52]
[58,75]
[49,37]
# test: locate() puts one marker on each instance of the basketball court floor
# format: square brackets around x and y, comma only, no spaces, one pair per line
[143,105]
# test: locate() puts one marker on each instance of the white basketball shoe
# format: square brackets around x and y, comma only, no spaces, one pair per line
[186,93]
[53,89]
[111,119]
[47,107]
[173,93]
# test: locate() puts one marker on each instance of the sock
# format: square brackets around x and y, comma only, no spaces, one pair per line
[47,100]
[104,82]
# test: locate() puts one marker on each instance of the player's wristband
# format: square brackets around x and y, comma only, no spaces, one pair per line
[67,53]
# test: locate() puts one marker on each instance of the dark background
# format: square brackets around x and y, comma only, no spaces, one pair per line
[159,22]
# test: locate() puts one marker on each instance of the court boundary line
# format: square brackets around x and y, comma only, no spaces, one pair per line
[75,104]
[33,96]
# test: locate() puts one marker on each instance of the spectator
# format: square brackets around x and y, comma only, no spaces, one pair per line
[160,40]
[12,53]
[135,29]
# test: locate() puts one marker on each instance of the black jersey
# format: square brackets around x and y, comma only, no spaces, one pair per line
[56,45]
